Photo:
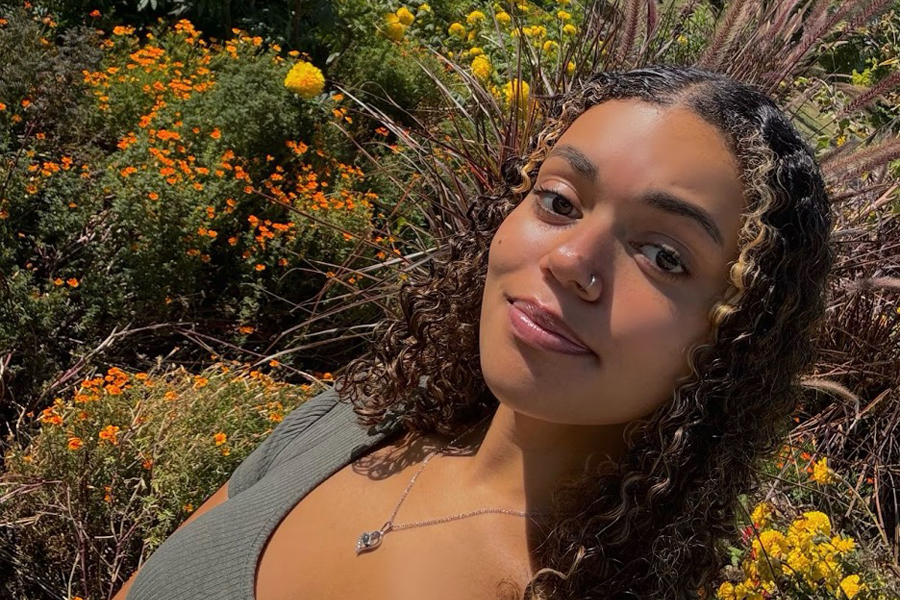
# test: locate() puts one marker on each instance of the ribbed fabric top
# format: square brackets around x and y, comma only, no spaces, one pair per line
[216,555]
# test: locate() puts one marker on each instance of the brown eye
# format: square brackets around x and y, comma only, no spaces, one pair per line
[559,204]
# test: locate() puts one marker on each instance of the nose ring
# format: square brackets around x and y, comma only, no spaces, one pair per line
[593,278]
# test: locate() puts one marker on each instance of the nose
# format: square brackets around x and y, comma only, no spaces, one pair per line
[572,260]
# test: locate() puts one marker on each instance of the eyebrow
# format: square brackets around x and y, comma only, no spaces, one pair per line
[658,199]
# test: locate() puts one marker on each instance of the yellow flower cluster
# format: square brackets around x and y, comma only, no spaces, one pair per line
[475,17]
[806,556]
[482,67]
[398,21]
[305,80]
[821,473]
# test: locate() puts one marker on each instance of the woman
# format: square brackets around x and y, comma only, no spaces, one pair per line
[594,368]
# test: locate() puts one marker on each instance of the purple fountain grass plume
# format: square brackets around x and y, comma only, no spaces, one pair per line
[883,283]
[767,39]
[625,45]
[652,18]
[829,385]
[888,83]
[861,160]
[733,18]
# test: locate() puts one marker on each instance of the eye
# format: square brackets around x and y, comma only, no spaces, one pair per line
[666,255]
[661,261]
[558,201]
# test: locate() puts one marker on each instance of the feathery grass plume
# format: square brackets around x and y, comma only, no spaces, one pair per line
[828,385]
[868,283]
[630,24]
[889,83]
[735,18]
[862,158]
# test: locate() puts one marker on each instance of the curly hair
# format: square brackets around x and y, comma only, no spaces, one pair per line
[654,525]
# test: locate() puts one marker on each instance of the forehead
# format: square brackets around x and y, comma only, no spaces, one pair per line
[636,144]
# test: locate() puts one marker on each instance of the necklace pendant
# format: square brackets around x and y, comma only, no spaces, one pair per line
[368,541]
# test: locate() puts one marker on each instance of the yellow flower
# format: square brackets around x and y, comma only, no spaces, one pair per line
[538,31]
[813,522]
[761,513]
[405,16]
[305,80]
[843,544]
[475,51]
[569,29]
[424,8]
[563,15]
[394,30]
[549,46]
[516,91]
[482,68]
[772,542]
[503,17]
[457,29]
[726,591]
[570,68]
[471,36]
[220,438]
[474,17]
[850,585]
[821,473]
[681,40]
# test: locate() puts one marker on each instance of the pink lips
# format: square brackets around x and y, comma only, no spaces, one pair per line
[536,327]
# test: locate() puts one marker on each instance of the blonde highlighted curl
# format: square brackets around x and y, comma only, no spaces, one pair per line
[655,526]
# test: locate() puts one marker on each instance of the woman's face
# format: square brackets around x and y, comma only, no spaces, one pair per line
[649,200]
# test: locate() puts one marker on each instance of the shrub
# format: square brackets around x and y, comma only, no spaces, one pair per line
[106,474]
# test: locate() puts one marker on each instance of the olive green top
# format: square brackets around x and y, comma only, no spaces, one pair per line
[216,555]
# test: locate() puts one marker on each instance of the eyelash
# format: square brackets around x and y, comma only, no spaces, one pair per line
[538,192]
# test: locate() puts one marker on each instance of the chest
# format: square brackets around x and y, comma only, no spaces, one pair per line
[312,553]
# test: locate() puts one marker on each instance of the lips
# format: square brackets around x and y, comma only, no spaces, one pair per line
[547,319]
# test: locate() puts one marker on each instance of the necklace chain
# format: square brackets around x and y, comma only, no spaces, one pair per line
[372,539]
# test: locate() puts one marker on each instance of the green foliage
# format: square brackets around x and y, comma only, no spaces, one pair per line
[162,202]
[131,453]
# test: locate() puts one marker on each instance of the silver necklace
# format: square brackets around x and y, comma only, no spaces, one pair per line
[370,540]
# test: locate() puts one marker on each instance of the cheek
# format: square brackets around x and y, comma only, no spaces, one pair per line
[516,243]
[650,333]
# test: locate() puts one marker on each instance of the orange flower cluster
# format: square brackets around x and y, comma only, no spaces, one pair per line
[109,434]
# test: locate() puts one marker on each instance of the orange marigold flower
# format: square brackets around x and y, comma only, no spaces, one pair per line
[94,13]
[260,267]
[200,382]
[72,282]
[215,134]
[171,395]
[246,329]
[153,196]
[58,281]
[220,438]
[109,434]
[74,443]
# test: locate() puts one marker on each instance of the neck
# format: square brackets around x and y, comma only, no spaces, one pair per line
[521,460]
